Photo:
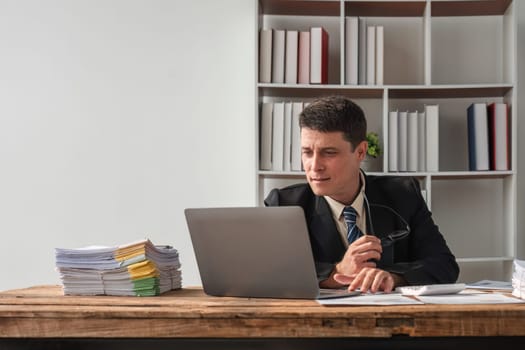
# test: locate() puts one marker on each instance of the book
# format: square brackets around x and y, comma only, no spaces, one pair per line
[499,136]
[287,136]
[379,55]
[412,141]
[278,137]
[478,137]
[421,142]
[265,136]
[402,140]
[432,137]
[393,141]
[265,56]
[370,55]
[318,55]
[297,108]
[362,51]
[303,74]
[278,55]
[352,50]
[292,45]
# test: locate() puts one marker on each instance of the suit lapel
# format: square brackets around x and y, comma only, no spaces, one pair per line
[384,221]
[326,240]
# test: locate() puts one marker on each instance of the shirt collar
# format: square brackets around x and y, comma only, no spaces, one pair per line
[358,203]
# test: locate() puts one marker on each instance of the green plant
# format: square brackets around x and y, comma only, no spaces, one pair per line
[374,149]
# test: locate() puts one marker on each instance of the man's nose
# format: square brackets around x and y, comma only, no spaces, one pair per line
[317,162]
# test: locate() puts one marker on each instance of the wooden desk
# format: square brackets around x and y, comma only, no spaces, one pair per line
[41,316]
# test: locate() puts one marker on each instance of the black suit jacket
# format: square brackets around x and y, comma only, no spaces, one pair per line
[421,258]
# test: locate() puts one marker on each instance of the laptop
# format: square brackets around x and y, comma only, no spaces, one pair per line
[259,252]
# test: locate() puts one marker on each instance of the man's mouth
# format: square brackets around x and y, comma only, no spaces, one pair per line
[319,179]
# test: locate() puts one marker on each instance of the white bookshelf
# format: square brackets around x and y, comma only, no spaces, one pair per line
[451,53]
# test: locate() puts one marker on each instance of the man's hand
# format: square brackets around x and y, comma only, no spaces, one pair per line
[368,279]
[359,255]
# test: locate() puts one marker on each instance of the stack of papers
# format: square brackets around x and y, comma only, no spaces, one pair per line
[137,269]
[518,279]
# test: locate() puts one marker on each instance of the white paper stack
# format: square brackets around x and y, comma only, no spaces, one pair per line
[138,269]
[518,279]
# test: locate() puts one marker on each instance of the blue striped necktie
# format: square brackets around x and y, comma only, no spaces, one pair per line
[350,216]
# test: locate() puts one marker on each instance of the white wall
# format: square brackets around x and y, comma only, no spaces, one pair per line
[115,115]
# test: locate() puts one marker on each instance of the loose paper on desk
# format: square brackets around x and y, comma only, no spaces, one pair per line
[467,297]
[490,284]
[371,299]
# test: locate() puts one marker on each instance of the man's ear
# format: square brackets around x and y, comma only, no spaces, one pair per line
[361,150]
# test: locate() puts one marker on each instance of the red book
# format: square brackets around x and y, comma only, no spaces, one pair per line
[318,56]
[499,136]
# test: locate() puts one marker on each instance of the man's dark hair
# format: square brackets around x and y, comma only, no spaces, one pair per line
[335,113]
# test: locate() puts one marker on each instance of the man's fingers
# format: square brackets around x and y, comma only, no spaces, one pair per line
[343,279]
[388,284]
[371,279]
[368,238]
[383,281]
[365,245]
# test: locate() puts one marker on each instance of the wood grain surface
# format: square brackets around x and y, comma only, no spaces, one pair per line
[44,312]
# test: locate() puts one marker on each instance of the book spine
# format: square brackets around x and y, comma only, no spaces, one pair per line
[412,143]
[278,55]
[379,54]
[492,135]
[287,136]
[498,136]
[304,58]
[265,137]
[352,50]
[362,51]
[371,55]
[432,137]
[471,136]
[403,140]
[297,108]
[393,141]
[508,137]
[324,57]
[292,38]
[318,55]
[265,56]
[421,142]
[278,137]
[481,136]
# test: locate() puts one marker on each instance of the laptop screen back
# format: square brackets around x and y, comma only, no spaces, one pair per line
[253,252]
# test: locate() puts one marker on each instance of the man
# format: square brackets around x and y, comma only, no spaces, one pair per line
[402,245]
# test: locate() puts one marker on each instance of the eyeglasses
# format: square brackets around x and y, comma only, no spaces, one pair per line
[396,235]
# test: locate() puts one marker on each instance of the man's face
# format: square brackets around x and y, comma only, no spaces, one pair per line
[331,166]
